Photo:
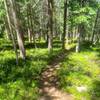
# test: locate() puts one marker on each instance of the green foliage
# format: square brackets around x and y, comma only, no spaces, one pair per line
[81,70]
[95,90]
[83,15]
[2,16]
[22,81]
[18,91]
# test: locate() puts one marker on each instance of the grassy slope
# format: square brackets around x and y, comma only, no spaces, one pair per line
[82,70]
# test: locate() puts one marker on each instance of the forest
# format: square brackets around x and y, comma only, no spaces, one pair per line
[49,49]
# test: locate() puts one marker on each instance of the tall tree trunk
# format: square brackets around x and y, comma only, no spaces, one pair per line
[30,23]
[10,29]
[50,25]
[78,40]
[18,30]
[64,27]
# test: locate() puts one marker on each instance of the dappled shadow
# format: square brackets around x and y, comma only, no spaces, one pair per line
[95,92]
[37,58]
[22,77]
[6,47]
[88,46]
[11,72]
[26,70]
[56,44]
[37,45]
[27,73]
[55,59]
[49,82]
[74,70]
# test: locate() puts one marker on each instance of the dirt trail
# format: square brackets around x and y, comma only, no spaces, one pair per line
[49,82]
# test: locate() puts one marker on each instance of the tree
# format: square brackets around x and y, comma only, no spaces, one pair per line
[18,29]
[95,24]
[50,25]
[64,24]
[11,32]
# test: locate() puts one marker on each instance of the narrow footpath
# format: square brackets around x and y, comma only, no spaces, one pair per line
[49,88]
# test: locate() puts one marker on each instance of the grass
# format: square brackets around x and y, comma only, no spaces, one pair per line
[22,82]
[81,70]
[77,69]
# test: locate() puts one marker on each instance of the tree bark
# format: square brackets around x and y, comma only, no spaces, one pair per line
[64,27]
[78,40]
[50,25]
[10,29]
[18,30]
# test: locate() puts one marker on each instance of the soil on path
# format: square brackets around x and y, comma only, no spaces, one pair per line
[49,88]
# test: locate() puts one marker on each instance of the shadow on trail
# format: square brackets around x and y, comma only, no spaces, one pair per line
[49,82]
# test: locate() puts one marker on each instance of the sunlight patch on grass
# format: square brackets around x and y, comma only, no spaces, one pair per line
[80,70]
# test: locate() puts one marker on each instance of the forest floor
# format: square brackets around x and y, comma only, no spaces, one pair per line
[58,76]
[49,82]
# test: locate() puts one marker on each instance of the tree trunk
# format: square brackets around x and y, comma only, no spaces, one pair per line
[80,30]
[64,27]
[50,25]
[92,39]
[10,29]
[29,23]
[18,30]
[78,40]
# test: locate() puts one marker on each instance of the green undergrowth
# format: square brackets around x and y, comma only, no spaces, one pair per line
[80,74]
[21,82]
